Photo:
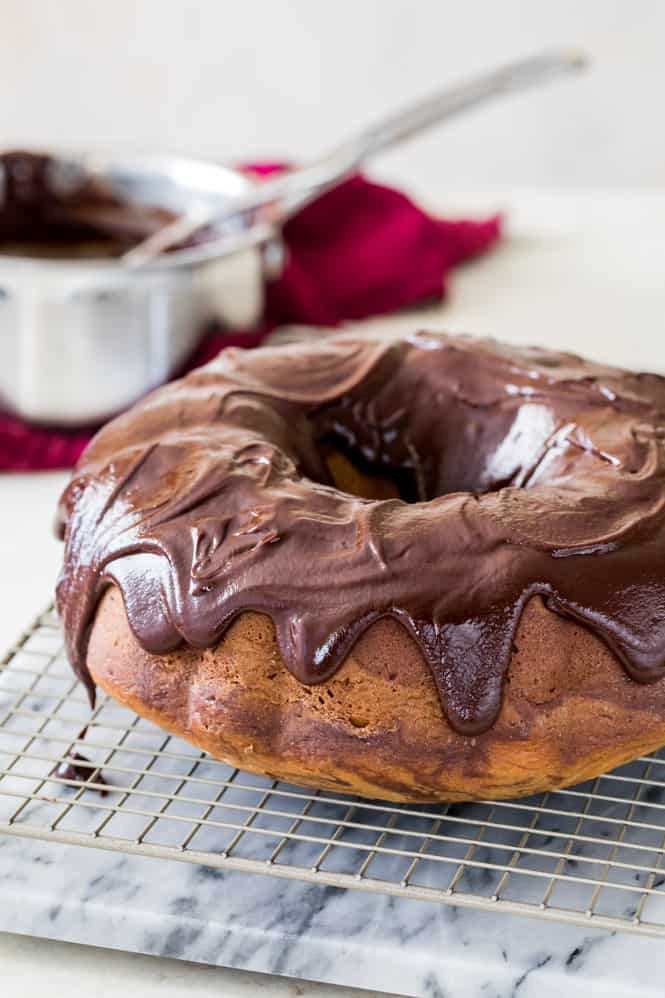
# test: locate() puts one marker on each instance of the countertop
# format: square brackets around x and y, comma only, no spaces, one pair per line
[583,272]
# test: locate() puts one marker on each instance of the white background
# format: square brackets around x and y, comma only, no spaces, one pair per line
[239,78]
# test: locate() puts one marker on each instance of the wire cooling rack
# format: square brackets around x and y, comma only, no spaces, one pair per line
[591,855]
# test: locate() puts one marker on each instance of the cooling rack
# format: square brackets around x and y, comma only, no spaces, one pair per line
[590,855]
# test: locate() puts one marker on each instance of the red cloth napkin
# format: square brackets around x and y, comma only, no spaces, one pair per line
[361,249]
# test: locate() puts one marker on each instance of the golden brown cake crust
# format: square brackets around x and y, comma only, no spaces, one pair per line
[376,728]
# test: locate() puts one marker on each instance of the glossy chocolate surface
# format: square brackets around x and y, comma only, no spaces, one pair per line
[77,770]
[48,209]
[529,472]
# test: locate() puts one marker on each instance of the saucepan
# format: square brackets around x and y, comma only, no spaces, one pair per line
[81,338]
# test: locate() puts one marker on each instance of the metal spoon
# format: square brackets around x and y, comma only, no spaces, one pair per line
[279,197]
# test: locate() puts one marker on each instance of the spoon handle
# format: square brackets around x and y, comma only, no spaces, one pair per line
[288,191]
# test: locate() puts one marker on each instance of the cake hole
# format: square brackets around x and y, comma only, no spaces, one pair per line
[451,447]
[349,477]
[358,722]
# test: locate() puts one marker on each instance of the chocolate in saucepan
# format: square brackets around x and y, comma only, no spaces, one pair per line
[51,209]
[529,473]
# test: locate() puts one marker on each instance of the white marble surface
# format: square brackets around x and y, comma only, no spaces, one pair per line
[32,967]
[586,273]
[303,931]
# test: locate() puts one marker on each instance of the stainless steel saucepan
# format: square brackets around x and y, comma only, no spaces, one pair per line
[80,339]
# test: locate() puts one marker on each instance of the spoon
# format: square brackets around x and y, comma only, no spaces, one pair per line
[275,199]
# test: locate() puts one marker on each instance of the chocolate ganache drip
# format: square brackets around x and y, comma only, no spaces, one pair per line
[533,473]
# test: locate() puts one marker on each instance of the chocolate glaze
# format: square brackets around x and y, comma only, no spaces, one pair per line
[48,208]
[78,769]
[535,473]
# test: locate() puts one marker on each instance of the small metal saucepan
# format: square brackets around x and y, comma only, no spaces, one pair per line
[81,334]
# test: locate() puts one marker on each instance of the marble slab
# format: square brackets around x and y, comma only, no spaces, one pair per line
[260,923]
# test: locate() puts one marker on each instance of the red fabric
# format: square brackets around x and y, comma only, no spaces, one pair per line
[361,249]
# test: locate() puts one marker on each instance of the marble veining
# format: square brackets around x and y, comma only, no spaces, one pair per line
[259,923]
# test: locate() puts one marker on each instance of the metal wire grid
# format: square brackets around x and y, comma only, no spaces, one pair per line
[591,855]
